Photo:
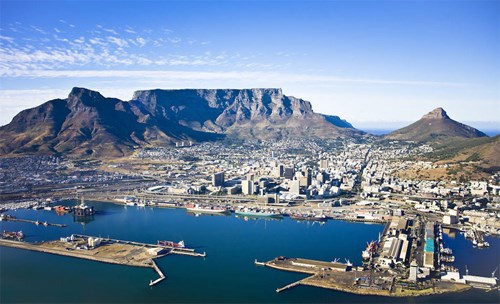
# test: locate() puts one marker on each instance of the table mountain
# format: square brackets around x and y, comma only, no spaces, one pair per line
[88,123]
[435,125]
[247,113]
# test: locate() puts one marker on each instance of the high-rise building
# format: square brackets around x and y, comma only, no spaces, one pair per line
[323,164]
[279,170]
[295,187]
[321,177]
[288,173]
[218,179]
[308,174]
[247,187]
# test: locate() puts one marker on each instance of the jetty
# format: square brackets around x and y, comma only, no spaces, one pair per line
[347,278]
[46,224]
[106,250]
[160,273]
[289,286]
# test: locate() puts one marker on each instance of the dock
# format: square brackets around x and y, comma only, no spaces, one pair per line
[13,219]
[292,285]
[171,250]
[347,278]
[160,273]
[108,250]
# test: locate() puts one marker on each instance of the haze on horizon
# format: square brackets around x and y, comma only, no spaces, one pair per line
[370,63]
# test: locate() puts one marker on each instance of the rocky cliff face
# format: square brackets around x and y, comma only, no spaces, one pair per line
[261,113]
[434,126]
[88,123]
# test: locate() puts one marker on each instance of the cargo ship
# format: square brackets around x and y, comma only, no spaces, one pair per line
[309,217]
[257,212]
[172,244]
[370,251]
[19,235]
[206,209]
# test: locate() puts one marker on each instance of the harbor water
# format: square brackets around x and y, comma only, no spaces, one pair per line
[227,274]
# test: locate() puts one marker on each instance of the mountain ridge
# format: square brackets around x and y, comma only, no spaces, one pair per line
[88,123]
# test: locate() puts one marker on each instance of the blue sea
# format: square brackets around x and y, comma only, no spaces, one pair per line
[226,275]
[380,132]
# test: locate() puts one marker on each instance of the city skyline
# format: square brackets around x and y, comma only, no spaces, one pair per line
[366,62]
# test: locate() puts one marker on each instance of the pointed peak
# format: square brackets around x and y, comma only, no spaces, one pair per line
[85,96]
[83,92]
[436,113]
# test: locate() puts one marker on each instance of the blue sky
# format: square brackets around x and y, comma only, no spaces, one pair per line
[370,62]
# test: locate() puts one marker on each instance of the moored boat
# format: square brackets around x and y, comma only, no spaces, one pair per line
[256,212]
[172,244]
[371,250]
[205,209]
[19,235]
[309,217]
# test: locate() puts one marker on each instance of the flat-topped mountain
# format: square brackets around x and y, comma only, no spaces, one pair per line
[88,123]
[259,113]
[433,126]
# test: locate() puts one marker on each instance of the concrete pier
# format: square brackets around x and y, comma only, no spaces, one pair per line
[108,251]
[292,285]
[160,273]
[33,222]
[340,277]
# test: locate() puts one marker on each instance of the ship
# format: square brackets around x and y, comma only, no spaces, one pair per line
[371,250]
[62,209]
[19,235]
[172,244]
[206,209]
[309,217]
[256,212]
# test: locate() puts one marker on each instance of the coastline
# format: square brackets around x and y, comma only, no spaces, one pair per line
[337,280]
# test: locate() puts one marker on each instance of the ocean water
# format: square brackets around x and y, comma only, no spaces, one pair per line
[380,132]
[226,275]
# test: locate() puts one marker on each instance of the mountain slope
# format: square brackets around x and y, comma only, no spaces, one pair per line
[88,123]
[259,113]
[435,126]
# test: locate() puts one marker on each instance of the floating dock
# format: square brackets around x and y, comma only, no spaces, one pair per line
[111,251]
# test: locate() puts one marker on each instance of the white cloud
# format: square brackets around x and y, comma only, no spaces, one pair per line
[37,29]
[141,41]
[118,41]
[203,75]
[174,40]
[97,41]
[8,39]
[112,31]
[79,40]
